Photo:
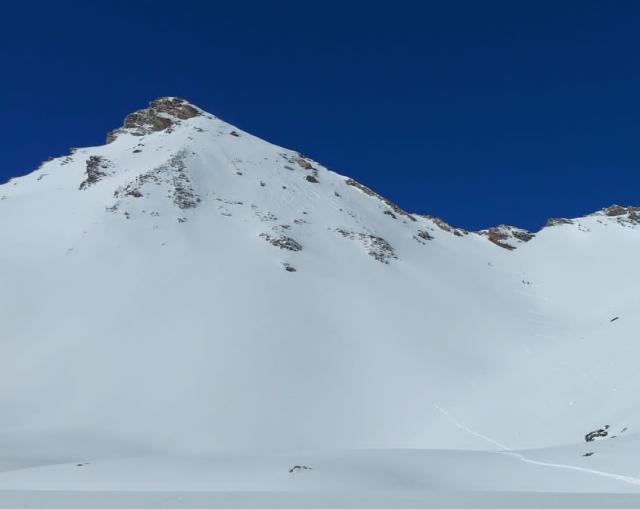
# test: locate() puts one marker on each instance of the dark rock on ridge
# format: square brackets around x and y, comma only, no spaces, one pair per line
[159,116]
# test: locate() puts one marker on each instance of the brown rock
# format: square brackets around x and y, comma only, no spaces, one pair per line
[160,115]
[554,221]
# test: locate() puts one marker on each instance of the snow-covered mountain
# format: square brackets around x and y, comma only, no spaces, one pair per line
[188,287]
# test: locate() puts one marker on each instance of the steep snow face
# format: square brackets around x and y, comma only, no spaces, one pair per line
[189,286]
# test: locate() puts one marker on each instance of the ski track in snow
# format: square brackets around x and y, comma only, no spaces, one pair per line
[468,430]
[618,477]
[510,452]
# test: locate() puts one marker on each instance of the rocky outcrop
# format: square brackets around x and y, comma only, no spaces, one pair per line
[376,247]
[97,168]
[422,236]
[304,163]
[172,174]
[555,221]
[182,192]
[507,237]
[614,211]
[297,468]
[444,226]
[161,114]
[597,434]
[395,208]
[282,241]
[625,216]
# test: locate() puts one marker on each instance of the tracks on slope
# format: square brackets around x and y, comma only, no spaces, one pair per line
[507,451]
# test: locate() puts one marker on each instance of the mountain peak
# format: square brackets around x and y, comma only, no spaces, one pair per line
[162,114]
[205,280]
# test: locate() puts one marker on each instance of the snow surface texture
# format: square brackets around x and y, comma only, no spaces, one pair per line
[188,307]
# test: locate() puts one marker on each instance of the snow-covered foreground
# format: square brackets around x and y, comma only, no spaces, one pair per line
[188,306]
[546,470]
[349,478]
[320,500]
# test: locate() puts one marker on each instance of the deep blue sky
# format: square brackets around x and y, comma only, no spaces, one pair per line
[479,112]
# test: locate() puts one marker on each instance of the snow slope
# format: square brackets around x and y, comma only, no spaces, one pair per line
[189,288]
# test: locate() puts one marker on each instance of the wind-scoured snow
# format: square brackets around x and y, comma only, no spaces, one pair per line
[188,288]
